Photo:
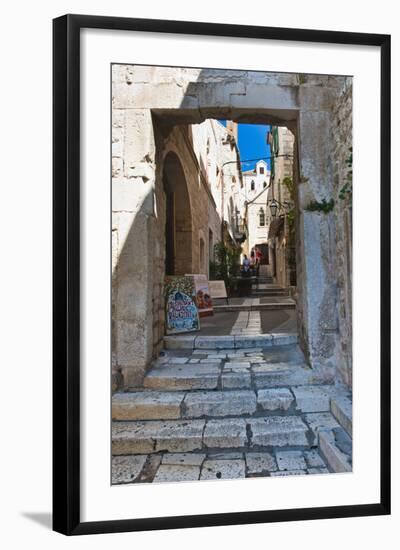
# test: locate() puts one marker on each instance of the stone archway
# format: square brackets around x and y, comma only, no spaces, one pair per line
[308,105]
[178,218]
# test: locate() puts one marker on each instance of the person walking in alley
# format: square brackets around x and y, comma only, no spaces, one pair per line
[245,265]
[258,260]
[252,261]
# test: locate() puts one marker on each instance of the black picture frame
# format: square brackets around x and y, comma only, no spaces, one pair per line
[66,272]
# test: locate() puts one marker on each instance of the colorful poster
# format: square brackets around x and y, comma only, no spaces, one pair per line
[181,310]
[203,296]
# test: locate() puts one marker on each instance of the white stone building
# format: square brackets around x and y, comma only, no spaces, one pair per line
[256,180]
[253,200]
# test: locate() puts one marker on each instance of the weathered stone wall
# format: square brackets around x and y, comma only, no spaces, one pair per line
[133,154]
[317,236]
[342,150]
[177,143]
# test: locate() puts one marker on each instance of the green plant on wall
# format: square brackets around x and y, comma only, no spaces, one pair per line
[347,189]
[288,182]
[290,215]
[324,206]
[302,78]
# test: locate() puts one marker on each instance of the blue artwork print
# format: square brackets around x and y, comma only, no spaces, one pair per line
[182,313]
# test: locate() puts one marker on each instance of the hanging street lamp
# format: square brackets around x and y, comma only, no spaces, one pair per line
[273,207]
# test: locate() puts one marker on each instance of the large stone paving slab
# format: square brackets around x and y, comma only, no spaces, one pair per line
[172,473]
[278,431]
[337,460]
[238,365]
[225,455]
[212,361]
[225,433]
[217,403]
[180,436]
[313,398]
[283,339]
[126,469]
[253,341]
[154,436]
[183,459]
[274,399]
[284,473]
[179,360]
[260,463]
[341,407]
[183,377]
[290,460]
[318,471]
[284,354]
[279,375]
[318,421]
[236,375]
[146,405]
[313,459]
[215,342]
[223,469]
[179,341]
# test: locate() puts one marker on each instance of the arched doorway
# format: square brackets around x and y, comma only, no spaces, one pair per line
[178,221]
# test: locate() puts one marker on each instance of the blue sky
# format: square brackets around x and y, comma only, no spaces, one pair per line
[252,143]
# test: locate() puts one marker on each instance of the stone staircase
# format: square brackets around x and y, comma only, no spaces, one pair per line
[264,289]
[265,279]
[229,407]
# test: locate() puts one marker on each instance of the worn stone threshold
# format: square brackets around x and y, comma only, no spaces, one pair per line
[186,341]
[258,307]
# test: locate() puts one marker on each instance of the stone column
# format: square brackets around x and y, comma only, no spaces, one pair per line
[316,258]
[133,182]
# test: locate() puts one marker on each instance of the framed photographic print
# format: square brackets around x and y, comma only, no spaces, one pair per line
[221,274]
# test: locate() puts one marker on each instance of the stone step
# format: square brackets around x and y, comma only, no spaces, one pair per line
[152,436]
[167,405]
[219,403]
[342,410]
[335,446]
[269,298]
[155,405]
[177,377]
[193,466]
[315,398]
[278,431]
[288,304]
[147,405]
[269,288]
[242,373]
[270,291]
[280,375]
[193,341]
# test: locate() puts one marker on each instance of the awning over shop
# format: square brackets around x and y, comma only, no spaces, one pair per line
[275,228]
